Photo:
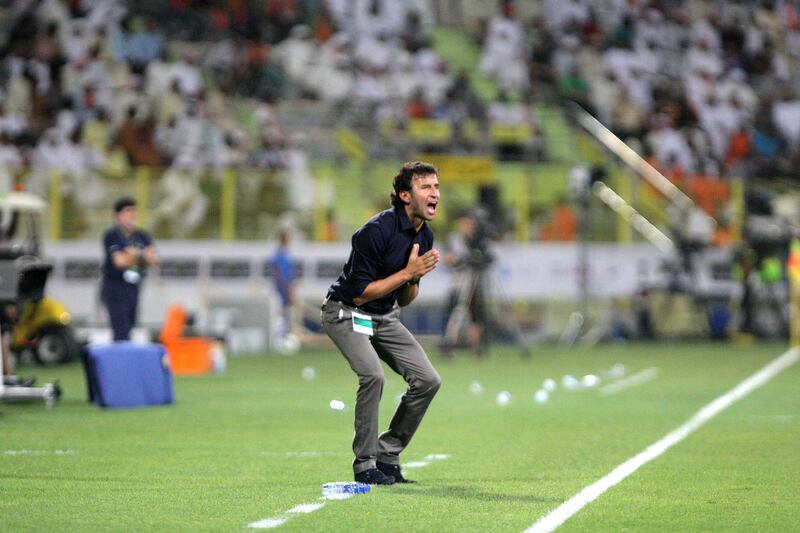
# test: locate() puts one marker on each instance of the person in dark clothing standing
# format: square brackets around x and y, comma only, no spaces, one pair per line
[128,253]
[389,256]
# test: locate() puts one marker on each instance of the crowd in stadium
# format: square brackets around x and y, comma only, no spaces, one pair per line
[96,87]
[699,88]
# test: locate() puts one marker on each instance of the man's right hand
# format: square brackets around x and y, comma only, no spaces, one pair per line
[126,258]
[419,265]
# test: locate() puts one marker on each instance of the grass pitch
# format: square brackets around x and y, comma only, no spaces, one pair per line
[259,440]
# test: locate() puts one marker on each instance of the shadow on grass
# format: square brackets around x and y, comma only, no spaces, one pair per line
[467,493]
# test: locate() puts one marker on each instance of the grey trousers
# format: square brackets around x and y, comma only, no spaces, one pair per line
[397,347]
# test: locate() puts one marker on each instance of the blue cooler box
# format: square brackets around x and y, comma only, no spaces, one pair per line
[128,375]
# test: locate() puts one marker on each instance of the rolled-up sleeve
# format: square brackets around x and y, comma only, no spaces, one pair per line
[147,240]
[112,243]
[368,243]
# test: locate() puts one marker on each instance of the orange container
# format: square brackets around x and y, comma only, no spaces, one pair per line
[187,355]
[191,355]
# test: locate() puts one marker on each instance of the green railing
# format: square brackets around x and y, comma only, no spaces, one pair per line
[247,204]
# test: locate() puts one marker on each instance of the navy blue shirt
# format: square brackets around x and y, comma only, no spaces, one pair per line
[115,240]
[380,248]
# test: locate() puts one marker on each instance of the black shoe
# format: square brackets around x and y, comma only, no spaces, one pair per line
[13,380]
[393,471]
[373,476]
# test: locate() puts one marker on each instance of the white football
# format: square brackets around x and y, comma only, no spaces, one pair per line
[288,344]
[503,398]
[541,396]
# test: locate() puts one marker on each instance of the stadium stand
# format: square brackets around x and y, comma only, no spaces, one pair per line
[228,119]
[95,89]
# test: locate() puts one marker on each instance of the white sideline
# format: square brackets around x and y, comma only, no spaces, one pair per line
[426,461]
[304,508]
[631,381]
[563,512]
[39,452]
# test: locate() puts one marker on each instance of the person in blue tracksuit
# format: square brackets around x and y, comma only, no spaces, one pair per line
[128,253]
[283,266]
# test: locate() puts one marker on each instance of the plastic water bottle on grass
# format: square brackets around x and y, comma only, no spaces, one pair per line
[343,489]
[218,359]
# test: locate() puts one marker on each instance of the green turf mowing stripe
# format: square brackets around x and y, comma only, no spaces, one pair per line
[259,439]
[562,513]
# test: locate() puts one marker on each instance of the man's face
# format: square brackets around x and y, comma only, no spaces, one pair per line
[127,218]
[423,198]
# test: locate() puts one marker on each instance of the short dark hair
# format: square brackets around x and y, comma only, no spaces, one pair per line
[402,181]
[122,203]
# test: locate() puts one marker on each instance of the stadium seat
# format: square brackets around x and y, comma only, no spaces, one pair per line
[511,133]
[188,355]
[562,227]
[425,130]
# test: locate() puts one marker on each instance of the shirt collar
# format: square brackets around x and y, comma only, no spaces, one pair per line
[405,222]
[124,233]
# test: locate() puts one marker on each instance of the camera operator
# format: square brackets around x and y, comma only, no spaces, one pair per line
[692,231]
[759,260]
[468,256]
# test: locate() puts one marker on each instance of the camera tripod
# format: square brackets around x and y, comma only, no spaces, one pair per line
[470,298]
